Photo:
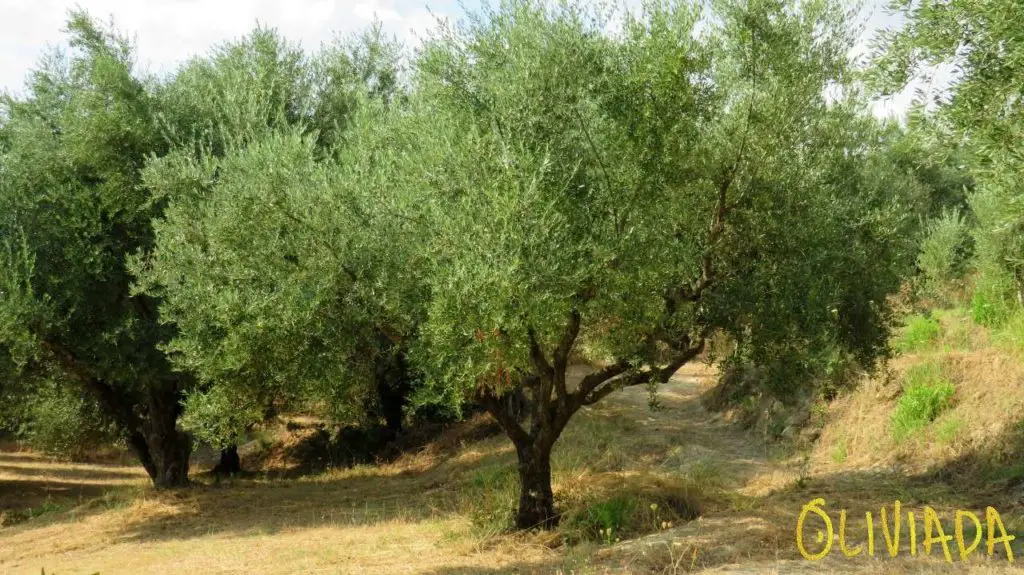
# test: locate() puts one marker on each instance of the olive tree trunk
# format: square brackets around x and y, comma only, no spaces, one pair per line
[552,404]
[148,418]
[166,448]
[536,500]
[393,384]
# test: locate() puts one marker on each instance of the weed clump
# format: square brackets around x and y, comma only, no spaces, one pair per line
[490,499]
[627,515]
[926,394]
[920,332]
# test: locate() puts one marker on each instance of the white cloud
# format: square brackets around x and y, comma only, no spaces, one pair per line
[371,9]
[168,32]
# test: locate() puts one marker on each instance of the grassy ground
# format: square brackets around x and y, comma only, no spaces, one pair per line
[627,477]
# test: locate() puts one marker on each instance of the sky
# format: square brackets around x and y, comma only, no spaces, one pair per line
[167,32]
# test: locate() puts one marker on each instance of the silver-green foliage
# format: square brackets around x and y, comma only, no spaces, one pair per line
[269,260]
[541,166]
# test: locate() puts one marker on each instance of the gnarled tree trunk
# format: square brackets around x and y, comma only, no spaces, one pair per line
[392,383]
[151,426]
[536,501]
[167,448]
[552,404]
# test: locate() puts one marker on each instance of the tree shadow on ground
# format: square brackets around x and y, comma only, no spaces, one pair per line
[366,496]
[990,476]
[313,449]
[419,492]
[27,494]
[31,485]
[735,530]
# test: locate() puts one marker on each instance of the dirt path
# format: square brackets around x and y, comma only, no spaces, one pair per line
[724,458]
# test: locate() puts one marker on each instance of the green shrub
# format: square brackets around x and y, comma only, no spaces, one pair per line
[992,301]
[926,394]
[839,452]
[945,251]
[64,422]
[920,332]
[1010,334]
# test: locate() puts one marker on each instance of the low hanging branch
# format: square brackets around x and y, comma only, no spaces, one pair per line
[598,385]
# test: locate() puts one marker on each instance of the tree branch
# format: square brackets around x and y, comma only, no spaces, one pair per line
[109,399]
[104,393]
[540,363]
[494,406]
[658,375]
[592,381]
[572,331]
[600,163]
[694,292]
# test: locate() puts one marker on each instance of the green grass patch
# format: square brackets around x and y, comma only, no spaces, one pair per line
[607,519]
[627,515]
[47,507]
[839,451]
[1010,335]
[959,333]
[926,394]
[991,302]
[1012,472]
[919,333]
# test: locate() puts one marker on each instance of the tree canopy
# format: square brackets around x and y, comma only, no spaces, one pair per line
[543,186]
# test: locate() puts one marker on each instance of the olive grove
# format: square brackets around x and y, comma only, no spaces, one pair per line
[380,231]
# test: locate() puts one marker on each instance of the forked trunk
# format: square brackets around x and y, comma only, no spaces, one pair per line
[552,403]
[536,502]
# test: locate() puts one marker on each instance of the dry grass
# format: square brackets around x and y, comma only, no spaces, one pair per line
[440,509]
[414,515]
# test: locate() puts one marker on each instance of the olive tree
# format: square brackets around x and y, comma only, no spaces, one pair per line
[633,189]
[264,258]
[72,211]
[555,178]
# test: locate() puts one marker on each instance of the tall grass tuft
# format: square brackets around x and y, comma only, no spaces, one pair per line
[926,394]
[920,332]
